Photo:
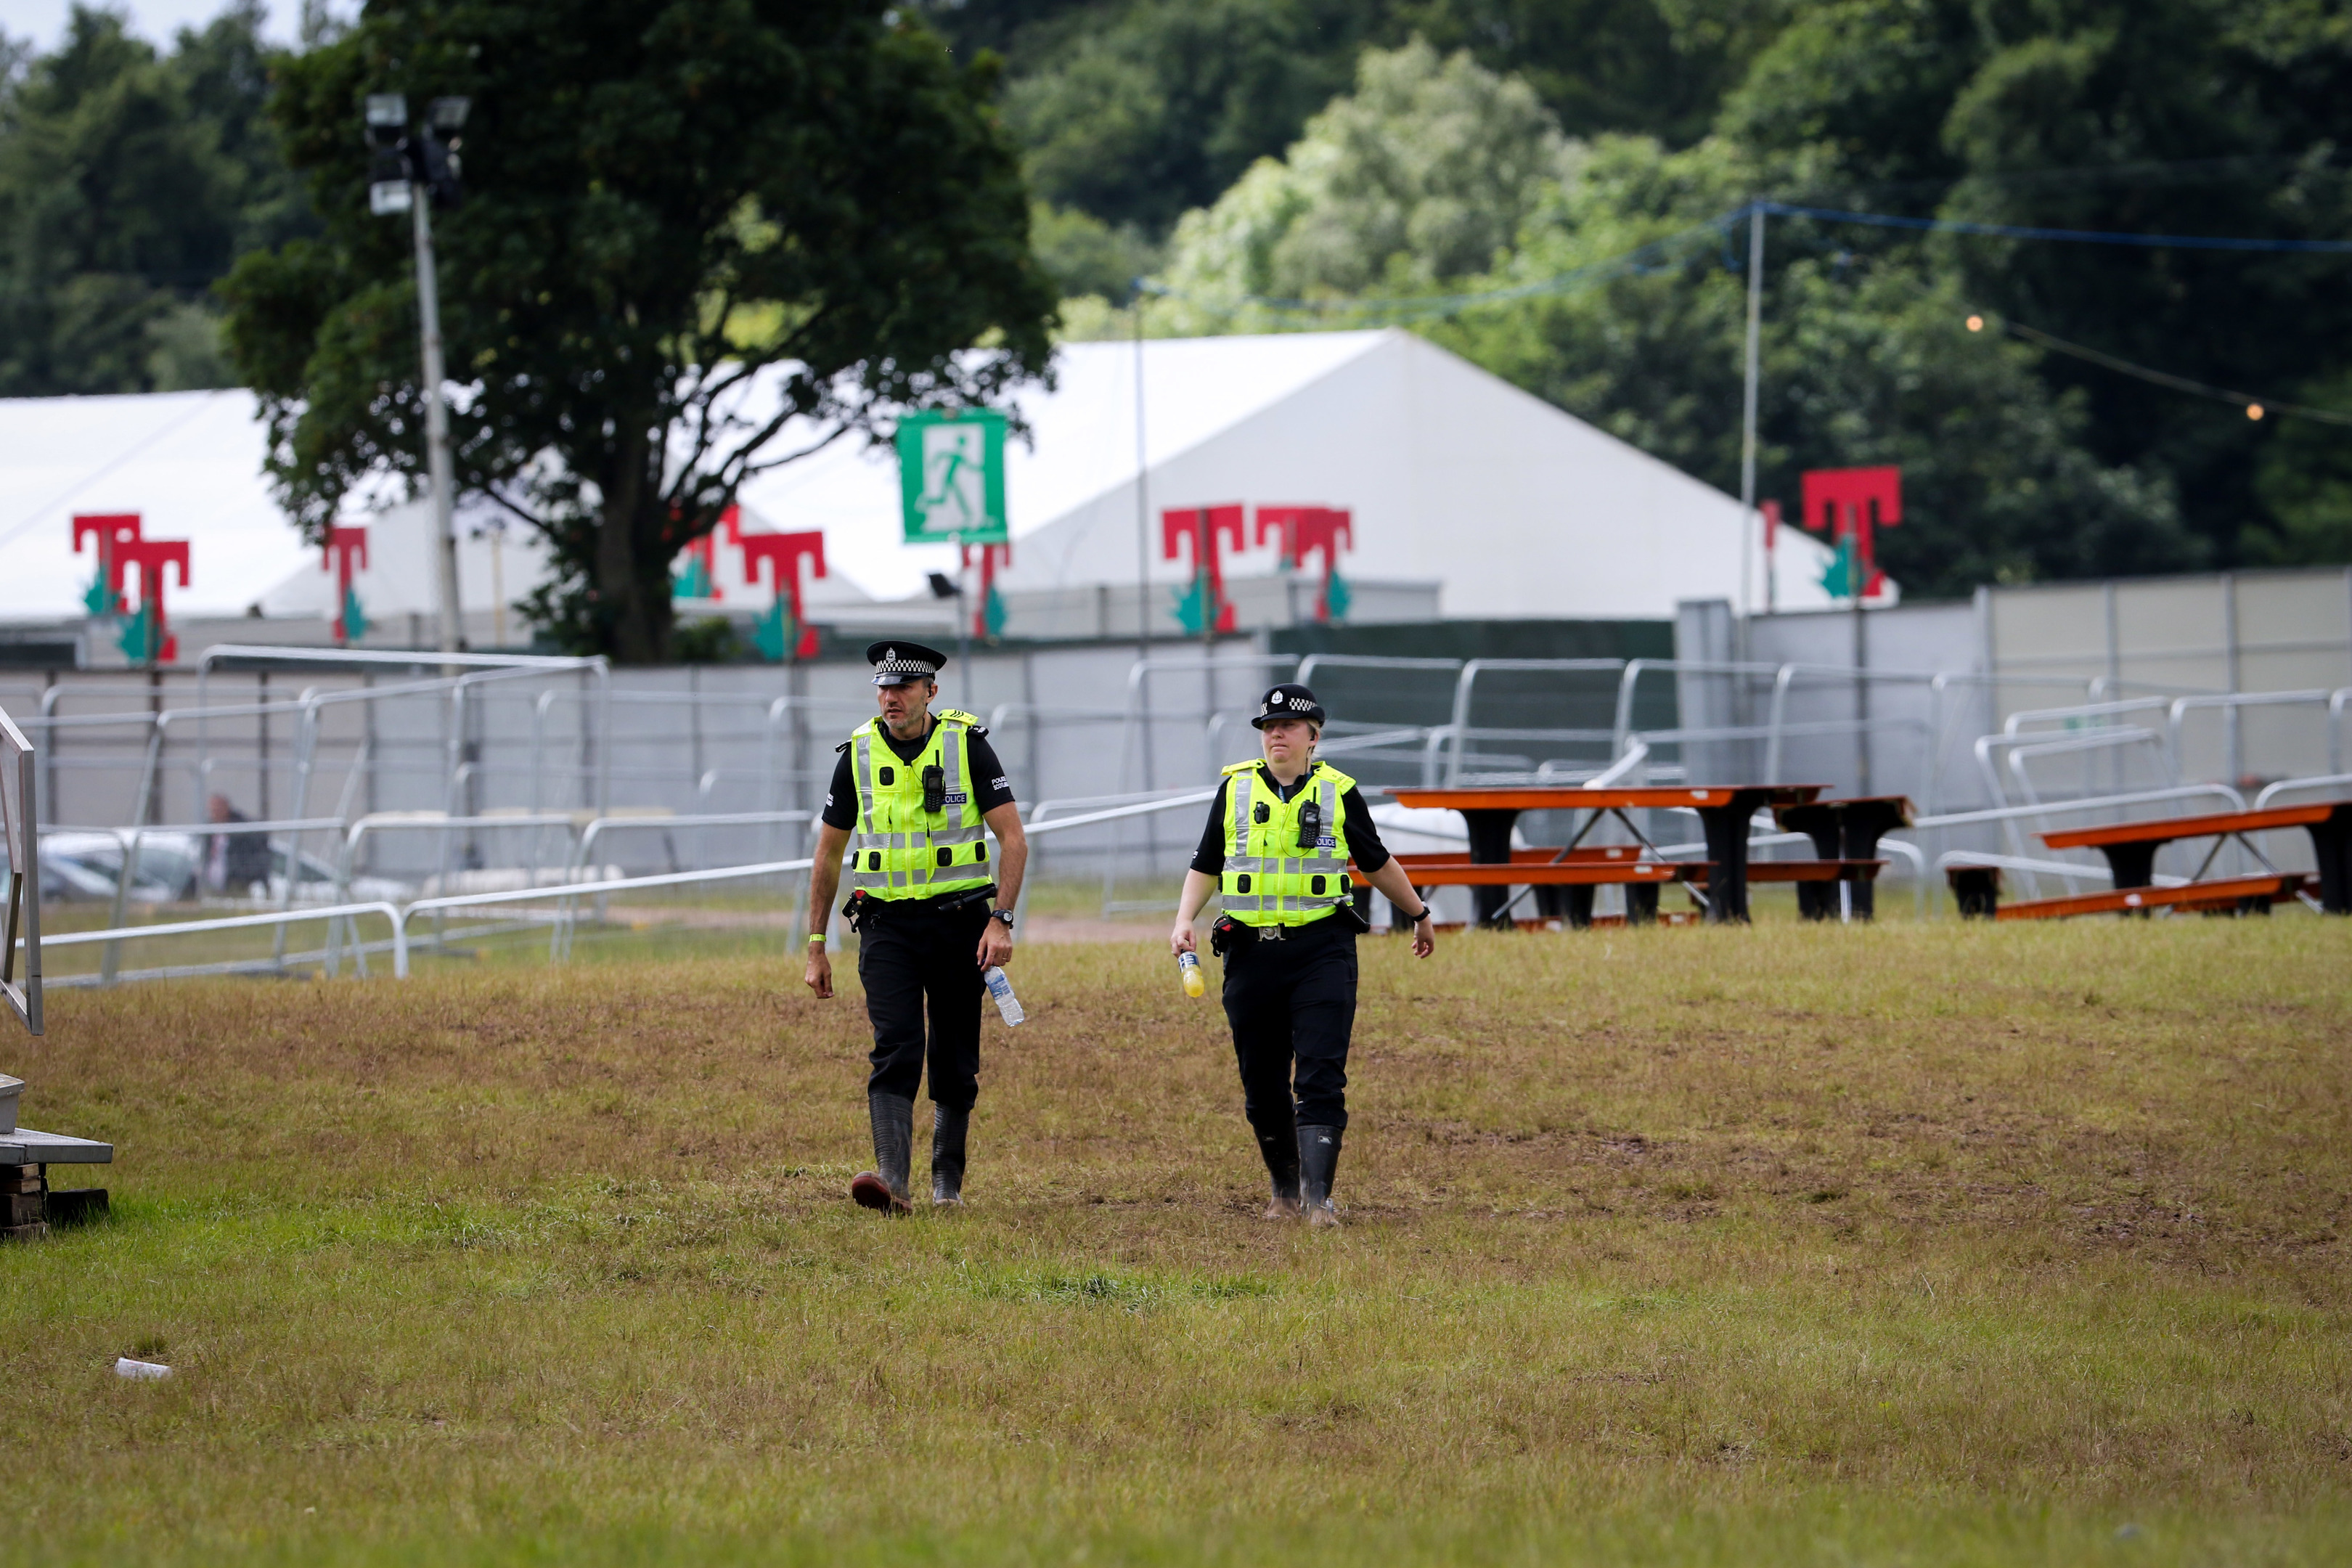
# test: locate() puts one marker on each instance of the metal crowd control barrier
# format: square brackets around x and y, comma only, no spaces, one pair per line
[1460,733]
[20,836]
[401,915]
[2289,786]
[2232,708]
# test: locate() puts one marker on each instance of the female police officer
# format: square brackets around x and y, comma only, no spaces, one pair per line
[1272,849]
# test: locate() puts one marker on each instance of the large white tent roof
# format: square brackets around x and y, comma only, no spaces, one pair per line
[188,462]
[1453,477]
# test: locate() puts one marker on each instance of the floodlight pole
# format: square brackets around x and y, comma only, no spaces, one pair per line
[1748,516]
[1142,502]
[437,420]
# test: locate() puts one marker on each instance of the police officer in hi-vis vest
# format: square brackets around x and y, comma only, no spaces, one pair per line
[1279,838]
[931,911]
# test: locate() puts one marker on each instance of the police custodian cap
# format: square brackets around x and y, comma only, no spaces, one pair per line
[895,662]
[1287,702]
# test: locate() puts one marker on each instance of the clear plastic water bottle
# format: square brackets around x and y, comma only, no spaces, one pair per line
[1188,969]
[1008,1005]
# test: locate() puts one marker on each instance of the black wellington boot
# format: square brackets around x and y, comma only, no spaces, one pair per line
[885,1188]
[1319,1161]
[1280,1149]
[948,1130]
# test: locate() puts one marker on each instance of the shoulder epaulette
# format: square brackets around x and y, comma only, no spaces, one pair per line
[1240,768]
[958,716]
[847,744]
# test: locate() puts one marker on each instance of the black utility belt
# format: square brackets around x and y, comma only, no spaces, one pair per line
[863,906]
[1229,932]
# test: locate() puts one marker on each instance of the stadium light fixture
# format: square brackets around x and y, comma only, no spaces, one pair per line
[412,171]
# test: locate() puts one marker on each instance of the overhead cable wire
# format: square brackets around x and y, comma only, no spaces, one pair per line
[91,476]
[2255,405]
[2075,235]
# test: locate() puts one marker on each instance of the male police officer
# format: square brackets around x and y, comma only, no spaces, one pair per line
[1280,835]
[929,911]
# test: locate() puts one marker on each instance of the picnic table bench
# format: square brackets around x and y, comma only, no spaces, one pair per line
[2223,895]
[27,1205]
[2130,849]
[1843,831]
[1568,876]
[1489,814]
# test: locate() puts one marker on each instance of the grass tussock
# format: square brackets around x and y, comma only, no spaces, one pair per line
[1920,1244]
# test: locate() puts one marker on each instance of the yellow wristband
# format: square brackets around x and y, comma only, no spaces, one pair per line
[817,941]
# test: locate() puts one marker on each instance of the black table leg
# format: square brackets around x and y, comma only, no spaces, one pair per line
[1976,890]
[1490,844]
[2133,864]
[1819,901]
[1577,906]
[1865,822]
[1726,846]
[1642,903]
[2331,842]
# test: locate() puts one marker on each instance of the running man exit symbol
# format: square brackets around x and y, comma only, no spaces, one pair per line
[952,476]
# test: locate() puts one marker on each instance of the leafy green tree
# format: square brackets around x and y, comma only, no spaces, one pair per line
[701,237]
[2305,482]
[128,183]
[2190,117]
[1086,257]
[1161,108]
[1423,174]
[1865,360]
[1658,67]
[1137,110]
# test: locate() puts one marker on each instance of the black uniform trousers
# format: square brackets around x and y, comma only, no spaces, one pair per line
[911,953]
[1293,1002]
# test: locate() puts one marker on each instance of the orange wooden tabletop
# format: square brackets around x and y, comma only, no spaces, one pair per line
[1572,797]
[1569,874]
[2171,828]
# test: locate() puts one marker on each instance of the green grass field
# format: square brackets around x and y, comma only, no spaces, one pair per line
[1924,1243]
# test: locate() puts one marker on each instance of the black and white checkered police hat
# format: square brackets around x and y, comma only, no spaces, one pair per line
[1287,702]
[896,663]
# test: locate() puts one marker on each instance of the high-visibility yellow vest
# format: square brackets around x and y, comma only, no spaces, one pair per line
[1271,879]
[902,848]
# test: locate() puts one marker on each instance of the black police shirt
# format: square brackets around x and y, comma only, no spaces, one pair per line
[993,787]
[1364,846]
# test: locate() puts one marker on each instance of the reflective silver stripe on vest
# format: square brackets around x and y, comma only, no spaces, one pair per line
[861,876]
[951,762]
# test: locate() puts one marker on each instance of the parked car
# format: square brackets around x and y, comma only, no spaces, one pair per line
[83,866]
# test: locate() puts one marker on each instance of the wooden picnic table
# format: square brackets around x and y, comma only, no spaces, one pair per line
[2130,846]
[1724,810]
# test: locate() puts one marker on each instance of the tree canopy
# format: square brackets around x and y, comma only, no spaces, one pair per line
[130,181]
[2168,117]
[688,224]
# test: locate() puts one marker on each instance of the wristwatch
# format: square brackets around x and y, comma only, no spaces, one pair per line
[1005,915]
[1426,912]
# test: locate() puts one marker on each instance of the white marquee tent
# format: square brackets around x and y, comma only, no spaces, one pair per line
[1496,503]
[1508,507]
